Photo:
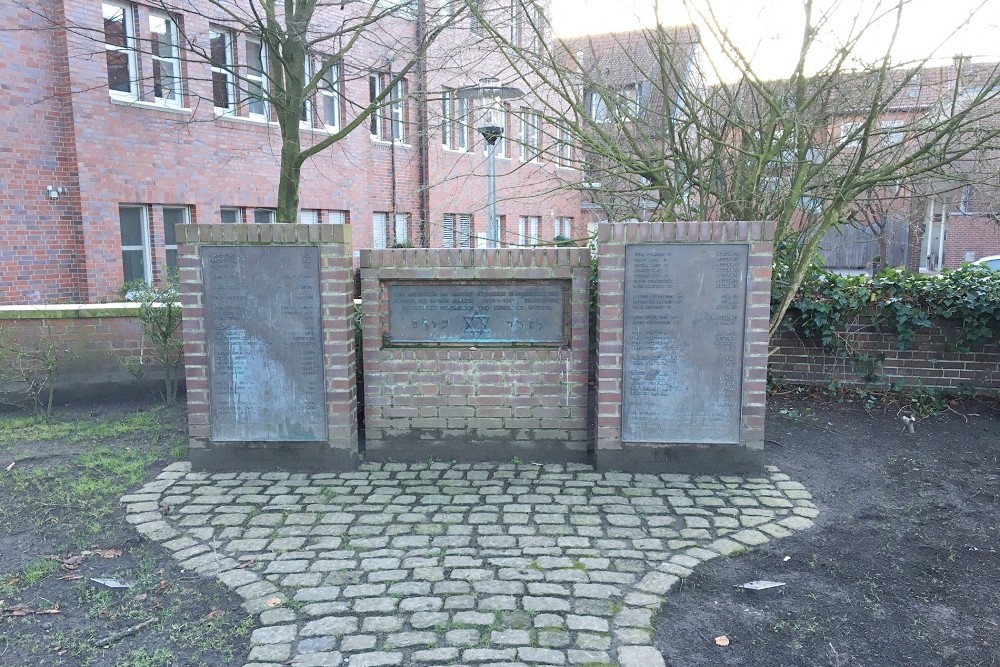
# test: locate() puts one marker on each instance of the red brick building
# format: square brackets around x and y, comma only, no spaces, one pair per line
[111,133]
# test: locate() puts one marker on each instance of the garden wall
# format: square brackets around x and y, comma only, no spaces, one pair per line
[930,363]
[93,343]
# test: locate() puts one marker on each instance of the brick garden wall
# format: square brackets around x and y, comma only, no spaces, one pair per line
[336,287]
[612,239]
[930,363]
[473,401]
[94,341]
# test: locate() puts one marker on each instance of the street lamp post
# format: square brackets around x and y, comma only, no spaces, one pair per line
[489,96]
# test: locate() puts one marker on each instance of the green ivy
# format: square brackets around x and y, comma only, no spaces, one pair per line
[898,301]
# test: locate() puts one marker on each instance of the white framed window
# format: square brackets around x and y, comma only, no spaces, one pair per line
[376,123]
[397,111]
[463,126]
[621,103]
[380,230]
[305,118]
[164,42]
[337,217]
[527,230]
[329,93]
[134,225]
[564,148]
[173,216]
[220,43]
[263,216]
[529,129]
[447,117]
[464,230]
[230,215]
[256,80]
[448,231]
[464,223]
[401,228]
[846,132]
[892,132]
[388,122]
[308,216]
[119,47]
[562,227]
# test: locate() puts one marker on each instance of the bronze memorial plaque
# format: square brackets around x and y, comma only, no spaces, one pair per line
[265,343]
[487,312]
[685,309]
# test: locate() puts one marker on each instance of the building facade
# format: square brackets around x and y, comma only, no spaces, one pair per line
[120,120]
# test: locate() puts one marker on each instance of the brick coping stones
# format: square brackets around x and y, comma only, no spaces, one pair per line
[458,564]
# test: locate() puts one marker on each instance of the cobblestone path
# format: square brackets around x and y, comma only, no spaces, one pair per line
[444,564]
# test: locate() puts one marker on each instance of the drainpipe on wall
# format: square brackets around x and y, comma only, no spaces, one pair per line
[423,129]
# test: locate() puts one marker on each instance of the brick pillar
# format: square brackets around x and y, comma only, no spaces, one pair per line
[336,289]
[669,453]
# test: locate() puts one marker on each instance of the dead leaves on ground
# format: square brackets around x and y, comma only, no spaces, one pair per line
[25,610]
[74,561]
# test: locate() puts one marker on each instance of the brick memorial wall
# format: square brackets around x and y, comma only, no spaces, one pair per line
[269,346]
[475,354]
[682,344]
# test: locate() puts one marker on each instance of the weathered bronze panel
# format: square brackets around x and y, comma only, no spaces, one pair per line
[485,312]
[265,345]
[685,306]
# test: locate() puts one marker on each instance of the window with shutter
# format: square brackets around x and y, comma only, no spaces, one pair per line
[465,231]
[448,231]
[379,230]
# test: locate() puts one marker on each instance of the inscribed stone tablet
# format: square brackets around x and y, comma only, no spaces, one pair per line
[683,358]
[265,345]
[488,312]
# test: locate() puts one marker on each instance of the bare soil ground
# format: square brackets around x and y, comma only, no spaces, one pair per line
[902,567]
[61,525]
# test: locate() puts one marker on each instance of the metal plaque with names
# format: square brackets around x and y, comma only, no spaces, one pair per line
[265,343]
[685,306]
[530,312]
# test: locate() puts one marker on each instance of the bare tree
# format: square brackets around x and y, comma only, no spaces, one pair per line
[659,140]
[301,48]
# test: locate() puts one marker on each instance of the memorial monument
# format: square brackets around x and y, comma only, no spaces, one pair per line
[683,311]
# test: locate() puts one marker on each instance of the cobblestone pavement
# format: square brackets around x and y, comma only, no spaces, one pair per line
[444,564]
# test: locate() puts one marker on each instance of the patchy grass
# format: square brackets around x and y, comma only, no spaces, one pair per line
[59,500]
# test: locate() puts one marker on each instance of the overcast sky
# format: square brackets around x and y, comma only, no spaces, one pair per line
[771,29]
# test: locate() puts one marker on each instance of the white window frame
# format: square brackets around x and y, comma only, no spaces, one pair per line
[269,212]
[846,129]
[175,96]
[308,216]
[448,230]
[529,129]
[329,91]
[463,116]
[306,117]
[376,124]
[447,117]
[257,78]
[401,228]
[564,148]
[380,230]
[527,230]
[464,230]
[185,219]
[225,71]
[147,255]
[892,132]
[128,24]
[336,217]
[397,112]
[562,226]
[238,214]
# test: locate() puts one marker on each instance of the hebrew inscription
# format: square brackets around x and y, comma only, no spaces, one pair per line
[683,342]
[488,312]
[265,346]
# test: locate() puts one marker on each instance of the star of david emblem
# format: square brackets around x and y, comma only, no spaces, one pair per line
[477,325]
